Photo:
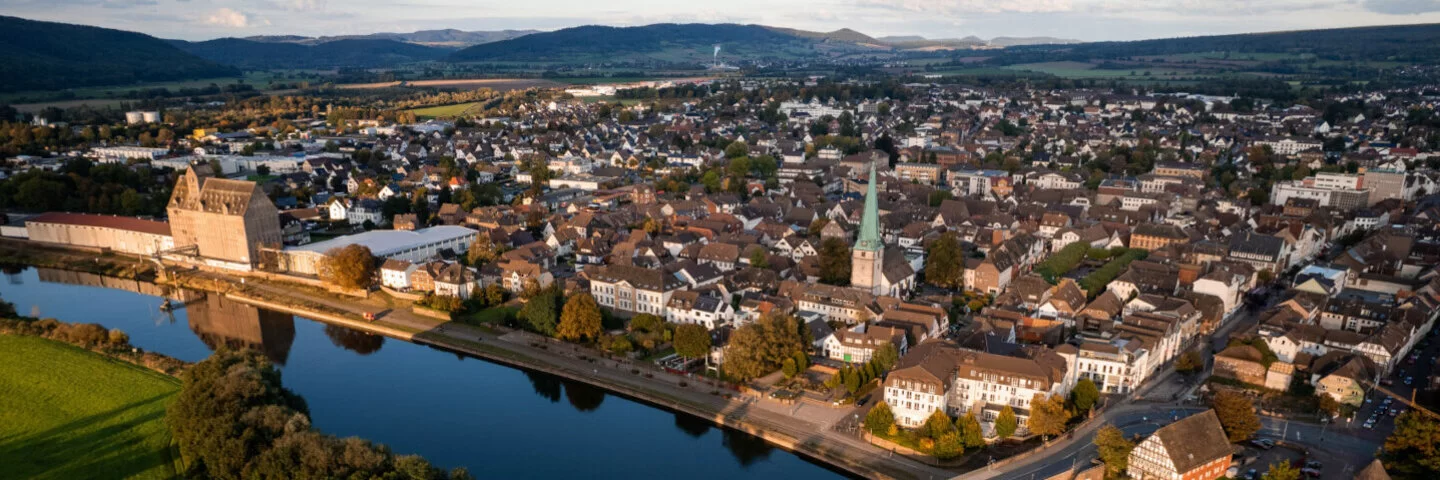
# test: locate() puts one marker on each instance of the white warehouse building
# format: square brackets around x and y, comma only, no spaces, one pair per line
[413,246]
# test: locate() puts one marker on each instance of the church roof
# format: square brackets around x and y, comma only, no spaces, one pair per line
[870,221]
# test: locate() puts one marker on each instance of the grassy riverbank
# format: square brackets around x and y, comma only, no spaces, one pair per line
[69,413]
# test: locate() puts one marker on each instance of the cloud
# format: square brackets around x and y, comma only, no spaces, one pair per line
[1402,7]
[305,5]
[228,18]
[959,7]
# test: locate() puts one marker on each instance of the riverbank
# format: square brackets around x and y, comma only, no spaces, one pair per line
[640,382]
[70,413]
[807,433]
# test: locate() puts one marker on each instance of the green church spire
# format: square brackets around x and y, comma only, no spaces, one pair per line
[870,223]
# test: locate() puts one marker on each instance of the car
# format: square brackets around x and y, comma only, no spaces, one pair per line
[1369,425]
[1368,399]
[1409,380]
[1394,412]
[862,402]
[1315,464]
[1310,472]
[1264,443]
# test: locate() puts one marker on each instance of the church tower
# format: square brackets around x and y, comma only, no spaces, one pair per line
[869,254]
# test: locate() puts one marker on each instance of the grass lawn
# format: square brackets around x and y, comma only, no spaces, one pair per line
[444,111]
[69,413]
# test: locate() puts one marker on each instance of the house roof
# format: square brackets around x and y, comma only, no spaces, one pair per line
[1194,441]
[103,221]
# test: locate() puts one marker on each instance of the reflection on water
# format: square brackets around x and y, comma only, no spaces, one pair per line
[583,396]
[468,413]
[692,425]
[354,340]
[222,322]
[746,448]
[546,386]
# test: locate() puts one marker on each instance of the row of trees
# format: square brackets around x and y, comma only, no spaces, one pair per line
[854,377]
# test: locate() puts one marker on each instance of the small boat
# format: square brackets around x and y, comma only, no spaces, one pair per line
[166,306]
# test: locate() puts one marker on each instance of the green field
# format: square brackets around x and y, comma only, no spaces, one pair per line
[444,111]
[69,413]
[1088,70]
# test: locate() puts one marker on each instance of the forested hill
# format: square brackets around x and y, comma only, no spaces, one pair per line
[660,42]
[253,54]
[38,55]
[1403,43]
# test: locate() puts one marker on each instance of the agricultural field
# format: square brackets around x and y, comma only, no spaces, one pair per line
[69,413]
[445,111]
[260,80]
[1086,70]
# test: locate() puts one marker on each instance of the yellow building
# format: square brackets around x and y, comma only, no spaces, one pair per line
[201,133]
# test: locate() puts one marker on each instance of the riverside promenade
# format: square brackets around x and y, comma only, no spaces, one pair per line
[804,429]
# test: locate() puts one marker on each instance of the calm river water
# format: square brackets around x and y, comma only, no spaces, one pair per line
[497,421]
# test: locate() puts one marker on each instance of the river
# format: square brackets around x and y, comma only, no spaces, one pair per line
[497,421]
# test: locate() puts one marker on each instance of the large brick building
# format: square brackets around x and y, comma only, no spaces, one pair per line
[226,221]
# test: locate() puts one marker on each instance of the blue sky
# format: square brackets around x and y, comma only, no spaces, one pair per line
[1079,19]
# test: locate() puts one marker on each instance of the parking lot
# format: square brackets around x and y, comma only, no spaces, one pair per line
[1411,373]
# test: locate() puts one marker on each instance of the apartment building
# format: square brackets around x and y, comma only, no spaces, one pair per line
[633,289]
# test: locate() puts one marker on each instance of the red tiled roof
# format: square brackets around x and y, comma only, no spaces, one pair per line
[104,221]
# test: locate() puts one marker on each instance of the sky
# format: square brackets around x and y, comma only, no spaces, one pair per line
[1088,20]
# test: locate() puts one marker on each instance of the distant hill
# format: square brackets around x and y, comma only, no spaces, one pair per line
[1018,41]
[1402,43]
[666,42]
[435,38]
[916,42]
[46,56]
[843,35]
[251,54]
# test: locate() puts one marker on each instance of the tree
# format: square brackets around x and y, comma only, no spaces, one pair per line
[788,368]
[852,380]
[835,262]
[1006,423]
[885,358]
[737,149]
[936,425]
[1281,470]
[1189,362]
[948,446]
[818,225]
[1084,395]
[351,266]
[647,323]
[1114,450]
[541,312]
[1413,449]
[759,348]
[482,251]
[580,319]
[1327,404]
[880,419]
[1047,416]
[758,259]
[945,262]
[970,432]
[1237,415]
[692,341]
